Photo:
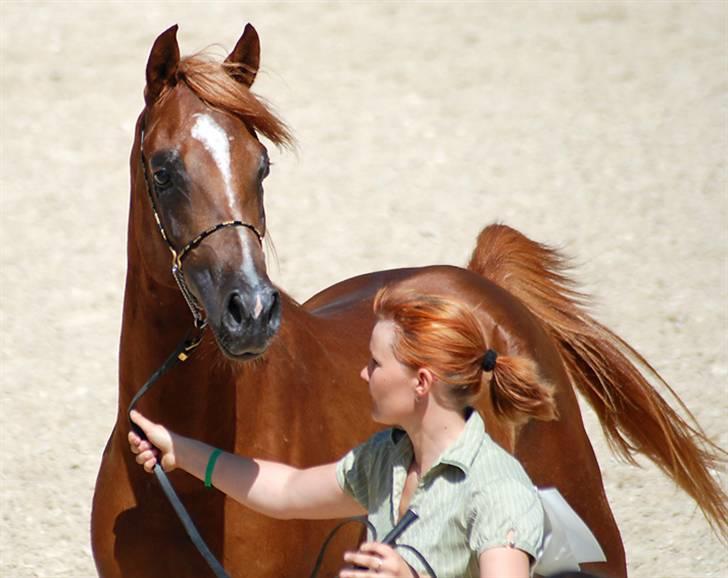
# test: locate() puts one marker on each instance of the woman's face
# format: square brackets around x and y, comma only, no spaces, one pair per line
[391,383]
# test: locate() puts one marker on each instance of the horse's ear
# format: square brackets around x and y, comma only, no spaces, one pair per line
[245,57]
[162,64]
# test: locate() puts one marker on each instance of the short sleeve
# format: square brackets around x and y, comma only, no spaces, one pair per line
[506,506]
[355,468]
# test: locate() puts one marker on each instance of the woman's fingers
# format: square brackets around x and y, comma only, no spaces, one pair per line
[137,444]
[146,456]
[147,459]
[158,435]
[375,559]
[364,560]
[141,421]
[149,452]
[149,465]
[134,441]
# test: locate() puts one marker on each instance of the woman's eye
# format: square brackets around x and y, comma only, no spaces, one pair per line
[162,178]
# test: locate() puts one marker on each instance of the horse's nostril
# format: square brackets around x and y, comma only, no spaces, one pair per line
[274,305]
[235,307]
[240,317]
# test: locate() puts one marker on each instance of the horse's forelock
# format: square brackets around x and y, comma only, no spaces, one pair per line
[212,82]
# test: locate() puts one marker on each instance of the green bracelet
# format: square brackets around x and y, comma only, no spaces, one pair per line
[211,466]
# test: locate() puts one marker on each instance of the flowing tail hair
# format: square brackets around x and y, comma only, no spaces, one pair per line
[604,368]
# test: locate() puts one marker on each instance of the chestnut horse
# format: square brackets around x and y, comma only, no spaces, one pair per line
[279,380]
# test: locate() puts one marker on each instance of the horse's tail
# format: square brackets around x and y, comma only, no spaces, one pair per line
[604,368]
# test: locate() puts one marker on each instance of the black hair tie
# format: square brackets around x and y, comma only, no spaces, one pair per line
[489,360]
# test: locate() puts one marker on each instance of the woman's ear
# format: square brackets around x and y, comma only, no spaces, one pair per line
[424,383]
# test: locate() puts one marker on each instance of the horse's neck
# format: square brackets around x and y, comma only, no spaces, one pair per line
[302,402]
[155,321]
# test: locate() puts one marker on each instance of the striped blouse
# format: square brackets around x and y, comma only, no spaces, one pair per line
[469,501]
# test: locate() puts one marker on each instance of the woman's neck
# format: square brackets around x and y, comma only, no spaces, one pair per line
[433,433]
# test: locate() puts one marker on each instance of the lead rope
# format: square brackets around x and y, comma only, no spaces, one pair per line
[390,540]
[179,355]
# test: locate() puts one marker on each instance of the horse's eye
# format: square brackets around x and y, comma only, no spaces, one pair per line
[162,178]
[264,167]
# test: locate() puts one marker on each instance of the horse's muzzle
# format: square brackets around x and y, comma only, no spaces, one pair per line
[249,320]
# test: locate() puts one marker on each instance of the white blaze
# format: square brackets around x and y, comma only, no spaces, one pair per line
[215,140]
[217,143]
[258,307]
[248,264]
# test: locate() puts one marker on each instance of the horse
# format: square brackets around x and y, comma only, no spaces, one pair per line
[276,379]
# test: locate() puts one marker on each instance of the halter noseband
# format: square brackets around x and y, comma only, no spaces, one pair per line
[177,256]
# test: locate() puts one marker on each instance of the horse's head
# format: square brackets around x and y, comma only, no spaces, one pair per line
[199,166]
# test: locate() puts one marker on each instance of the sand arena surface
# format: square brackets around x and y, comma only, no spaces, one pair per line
[597,127]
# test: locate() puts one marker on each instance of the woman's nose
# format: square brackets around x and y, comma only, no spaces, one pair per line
[364,374]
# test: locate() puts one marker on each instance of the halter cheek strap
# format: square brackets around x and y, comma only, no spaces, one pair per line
[177,256]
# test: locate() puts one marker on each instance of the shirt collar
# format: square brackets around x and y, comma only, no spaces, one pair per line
[402,451]
[460,454]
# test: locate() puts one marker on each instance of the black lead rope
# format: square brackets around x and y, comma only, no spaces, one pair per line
[180,354]
[322,552]
[390,539]
[188,524]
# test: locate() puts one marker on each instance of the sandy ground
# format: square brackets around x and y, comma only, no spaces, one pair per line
[597,127]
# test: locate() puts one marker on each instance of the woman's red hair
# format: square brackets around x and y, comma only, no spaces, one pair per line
[446,337]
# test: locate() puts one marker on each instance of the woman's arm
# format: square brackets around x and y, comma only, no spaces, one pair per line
[503,563]
[271,488]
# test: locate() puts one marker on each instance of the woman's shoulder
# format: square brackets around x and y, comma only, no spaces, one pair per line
[502,495]
[494,465]
[385,438]
[378,444]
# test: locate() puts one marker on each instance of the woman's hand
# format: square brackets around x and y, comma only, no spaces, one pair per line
[378,560]
[161,440]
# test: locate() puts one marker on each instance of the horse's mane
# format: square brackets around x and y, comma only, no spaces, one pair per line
[212,82]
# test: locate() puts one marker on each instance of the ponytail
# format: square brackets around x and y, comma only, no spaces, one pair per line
[517,392]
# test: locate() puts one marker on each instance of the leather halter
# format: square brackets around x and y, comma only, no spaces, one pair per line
[177,256]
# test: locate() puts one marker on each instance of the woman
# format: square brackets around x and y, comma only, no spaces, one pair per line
[479,514]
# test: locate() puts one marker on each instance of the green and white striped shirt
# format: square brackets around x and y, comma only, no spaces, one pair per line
[469,501]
